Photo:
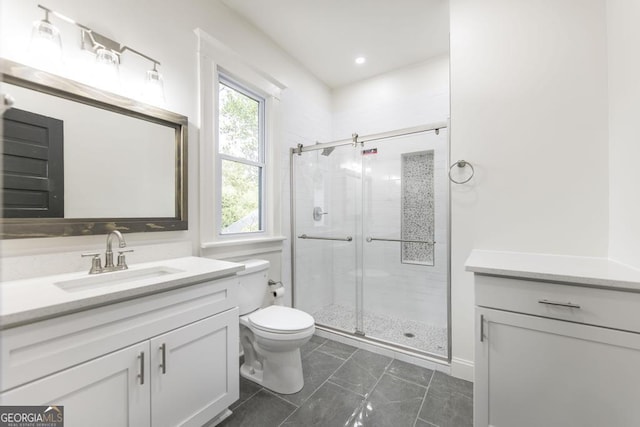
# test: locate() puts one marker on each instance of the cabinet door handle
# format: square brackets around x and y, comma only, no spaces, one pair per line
[163,364]
[141,374]
[559,304]
[482,328]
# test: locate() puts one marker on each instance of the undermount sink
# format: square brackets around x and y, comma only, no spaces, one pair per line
[114,278]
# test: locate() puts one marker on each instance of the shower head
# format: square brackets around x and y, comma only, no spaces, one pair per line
[327,151]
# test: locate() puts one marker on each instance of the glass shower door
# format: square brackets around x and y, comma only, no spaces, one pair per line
[371,254]
[327,209]
[405,247]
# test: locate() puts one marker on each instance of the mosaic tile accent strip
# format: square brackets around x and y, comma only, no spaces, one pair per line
[417,207]
[410,333]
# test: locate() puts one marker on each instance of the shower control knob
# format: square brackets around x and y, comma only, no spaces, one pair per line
[317,213]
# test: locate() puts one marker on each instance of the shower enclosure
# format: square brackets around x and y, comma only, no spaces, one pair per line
[370,237]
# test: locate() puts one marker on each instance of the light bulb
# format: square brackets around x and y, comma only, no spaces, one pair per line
[107,74]
[46,46]
[153,91]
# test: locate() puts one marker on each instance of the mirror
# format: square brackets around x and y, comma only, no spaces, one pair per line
[109,162]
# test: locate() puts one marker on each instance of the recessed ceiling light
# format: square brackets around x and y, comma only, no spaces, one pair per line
[361,60]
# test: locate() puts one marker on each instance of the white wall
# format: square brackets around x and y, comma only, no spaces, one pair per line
[165,30]
[412,96]
[624,135]
[529,111]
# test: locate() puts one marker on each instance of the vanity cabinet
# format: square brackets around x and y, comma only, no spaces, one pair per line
[554,354]
[167,359]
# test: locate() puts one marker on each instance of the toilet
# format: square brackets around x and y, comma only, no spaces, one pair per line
[271,337]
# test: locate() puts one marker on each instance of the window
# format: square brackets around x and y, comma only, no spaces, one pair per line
[241,158]
[239,117]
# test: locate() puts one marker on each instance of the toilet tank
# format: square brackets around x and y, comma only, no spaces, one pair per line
[254,281]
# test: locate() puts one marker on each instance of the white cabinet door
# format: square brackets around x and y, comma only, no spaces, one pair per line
[108,391]
[534,371]
[195,371]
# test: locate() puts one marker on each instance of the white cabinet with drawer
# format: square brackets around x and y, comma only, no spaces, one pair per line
[165,359]
[555,354]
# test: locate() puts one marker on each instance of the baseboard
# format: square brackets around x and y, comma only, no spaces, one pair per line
[462,368]
[219,418]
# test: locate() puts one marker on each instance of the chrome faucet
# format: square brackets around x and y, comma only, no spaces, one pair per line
[108,256]
[96,265]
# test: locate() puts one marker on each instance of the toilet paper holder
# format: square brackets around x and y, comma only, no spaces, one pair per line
[276,289]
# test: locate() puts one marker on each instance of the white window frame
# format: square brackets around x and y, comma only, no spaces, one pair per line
[214,57]
[234,84]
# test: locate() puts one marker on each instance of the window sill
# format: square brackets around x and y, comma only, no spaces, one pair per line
[238,242]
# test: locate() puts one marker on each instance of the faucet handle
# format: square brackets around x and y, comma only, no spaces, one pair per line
[122,263]
[96,263]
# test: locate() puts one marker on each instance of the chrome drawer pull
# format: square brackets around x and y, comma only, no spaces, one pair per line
[560,304]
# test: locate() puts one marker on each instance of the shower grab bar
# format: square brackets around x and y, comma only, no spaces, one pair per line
[370,239]
[342,239]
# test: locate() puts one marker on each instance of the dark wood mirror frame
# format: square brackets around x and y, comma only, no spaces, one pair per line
[37,80]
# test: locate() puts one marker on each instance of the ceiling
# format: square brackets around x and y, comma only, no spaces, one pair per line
[326,36]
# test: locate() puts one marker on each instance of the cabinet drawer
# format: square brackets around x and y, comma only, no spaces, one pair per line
[600,307]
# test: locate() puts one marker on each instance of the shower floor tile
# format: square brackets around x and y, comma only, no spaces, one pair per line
[409,333]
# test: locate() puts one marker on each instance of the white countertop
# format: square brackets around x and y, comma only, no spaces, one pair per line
[30,300]
[586,271]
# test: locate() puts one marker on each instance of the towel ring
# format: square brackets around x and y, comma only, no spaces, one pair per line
[461,164]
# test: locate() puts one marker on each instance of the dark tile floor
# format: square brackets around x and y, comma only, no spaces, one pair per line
[347,386]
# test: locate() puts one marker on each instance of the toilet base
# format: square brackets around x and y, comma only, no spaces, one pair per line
[281,372]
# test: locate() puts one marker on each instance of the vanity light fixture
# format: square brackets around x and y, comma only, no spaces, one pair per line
[108,53]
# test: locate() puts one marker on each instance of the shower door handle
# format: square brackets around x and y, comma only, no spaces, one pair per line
[342,239]
[371,239]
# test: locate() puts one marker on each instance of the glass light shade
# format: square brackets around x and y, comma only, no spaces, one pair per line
[107,70]
[153,91]
[45,46]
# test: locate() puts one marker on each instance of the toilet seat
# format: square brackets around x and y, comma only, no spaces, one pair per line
[277,319]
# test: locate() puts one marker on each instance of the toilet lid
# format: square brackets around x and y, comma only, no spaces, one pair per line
[280,319]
